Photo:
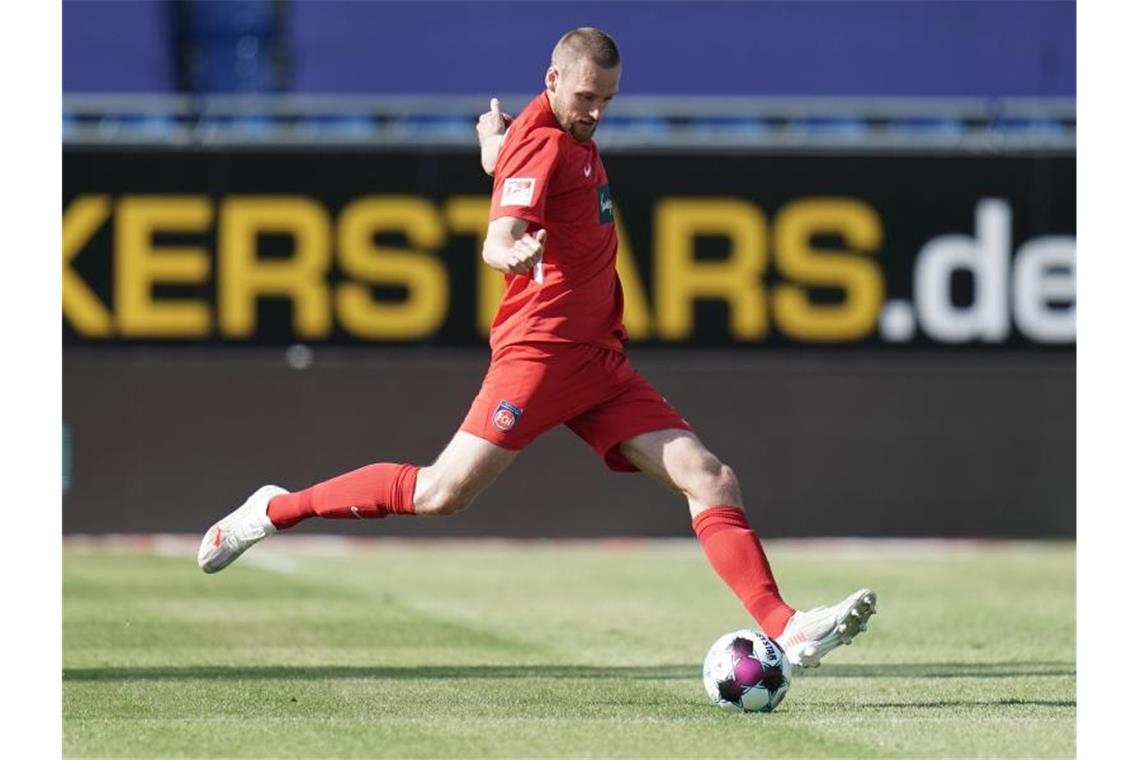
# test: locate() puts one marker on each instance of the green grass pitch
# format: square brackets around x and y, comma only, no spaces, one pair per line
[402,649]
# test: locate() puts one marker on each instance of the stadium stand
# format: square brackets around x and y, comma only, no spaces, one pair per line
[263,71]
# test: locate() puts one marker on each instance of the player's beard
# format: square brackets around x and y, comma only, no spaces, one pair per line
[574,127]
[583,132]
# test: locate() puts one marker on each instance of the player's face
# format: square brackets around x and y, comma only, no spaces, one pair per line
[580,94]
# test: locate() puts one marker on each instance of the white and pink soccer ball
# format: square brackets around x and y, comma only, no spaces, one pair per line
[745,671]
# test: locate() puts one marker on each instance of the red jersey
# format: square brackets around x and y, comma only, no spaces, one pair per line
[546,177]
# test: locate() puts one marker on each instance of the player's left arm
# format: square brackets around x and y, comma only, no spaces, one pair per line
[492,130]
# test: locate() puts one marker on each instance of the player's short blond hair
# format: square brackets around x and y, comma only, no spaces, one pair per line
[586,43]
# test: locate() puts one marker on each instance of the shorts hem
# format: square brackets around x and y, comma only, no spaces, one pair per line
[612,455]
[501,444]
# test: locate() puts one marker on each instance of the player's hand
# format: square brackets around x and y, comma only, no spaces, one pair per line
[525,253]
[493,122]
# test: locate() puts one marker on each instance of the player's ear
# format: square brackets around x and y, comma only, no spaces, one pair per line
[551,78]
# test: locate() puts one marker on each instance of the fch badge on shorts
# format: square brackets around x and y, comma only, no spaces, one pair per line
[506,416]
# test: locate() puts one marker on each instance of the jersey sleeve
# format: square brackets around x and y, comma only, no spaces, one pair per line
[523,176]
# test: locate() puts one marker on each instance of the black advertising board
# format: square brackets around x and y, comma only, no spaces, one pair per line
[825,443]
[277,246]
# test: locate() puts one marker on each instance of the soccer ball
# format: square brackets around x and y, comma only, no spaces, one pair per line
[745,671]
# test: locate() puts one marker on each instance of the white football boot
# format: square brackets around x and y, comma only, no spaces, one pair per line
[233,534]
[812,634]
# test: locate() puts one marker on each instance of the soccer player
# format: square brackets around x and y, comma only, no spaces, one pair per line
[557,358]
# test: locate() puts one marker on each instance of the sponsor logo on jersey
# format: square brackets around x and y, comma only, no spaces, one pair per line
[605,205]
[517,191]
[506,416]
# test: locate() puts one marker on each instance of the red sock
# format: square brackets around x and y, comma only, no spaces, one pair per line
[734,551]
[373,491]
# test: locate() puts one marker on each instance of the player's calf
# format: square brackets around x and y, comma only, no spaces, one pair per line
[438,498]
[733,550]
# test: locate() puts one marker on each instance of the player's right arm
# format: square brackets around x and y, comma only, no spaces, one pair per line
[518,202]
[508,248]
[492,130]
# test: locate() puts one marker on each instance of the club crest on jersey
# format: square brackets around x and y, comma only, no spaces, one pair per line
[506,416]
[605,205]
[517,191]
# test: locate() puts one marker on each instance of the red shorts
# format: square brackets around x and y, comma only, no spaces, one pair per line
[531,387]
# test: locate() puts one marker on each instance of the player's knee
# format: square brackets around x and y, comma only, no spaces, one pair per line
[728,486]
[713,482]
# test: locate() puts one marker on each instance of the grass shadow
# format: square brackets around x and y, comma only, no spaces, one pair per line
[658,672]
[943,704]
[945,670]
[334,672]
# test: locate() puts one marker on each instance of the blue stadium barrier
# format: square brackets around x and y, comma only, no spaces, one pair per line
[1036,126]
[255,125]
[437,125]
[338,125]
[138,124]
[929,128]
[837,127]
[733,125]
[648,125]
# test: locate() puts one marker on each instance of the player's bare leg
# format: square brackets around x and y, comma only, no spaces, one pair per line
[678,460]
[465,468]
